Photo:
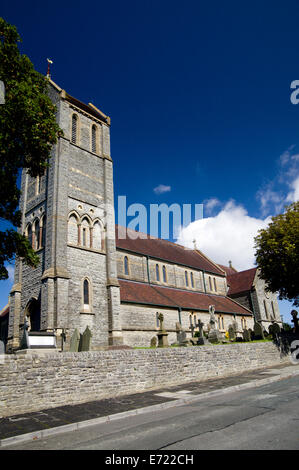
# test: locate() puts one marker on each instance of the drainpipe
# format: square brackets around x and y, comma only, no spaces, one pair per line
[148,271]
[204,282]
[180,316]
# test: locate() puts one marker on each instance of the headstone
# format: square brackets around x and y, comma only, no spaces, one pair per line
[258,331]
[154,342]
[231,333]
[213,322]
[75,340]
[162,334]
[274,329]
[214,334]
[201,338]
[86,339]
[246,335]
[181,335]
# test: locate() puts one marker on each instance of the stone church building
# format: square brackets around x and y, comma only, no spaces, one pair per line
[93,273]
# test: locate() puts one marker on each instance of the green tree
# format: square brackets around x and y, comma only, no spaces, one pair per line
[277,254]
[28,129]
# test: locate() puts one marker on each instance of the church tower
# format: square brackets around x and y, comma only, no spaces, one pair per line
[68,216]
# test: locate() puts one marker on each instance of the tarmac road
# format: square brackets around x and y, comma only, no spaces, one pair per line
[262,418]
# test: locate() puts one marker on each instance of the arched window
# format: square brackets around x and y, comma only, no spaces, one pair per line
[215,285]
[73,230]
[42,235]
[157,273]
[97,236]
[86,239]
[29,233]
[210,283]
[36,236]
[94,138]
[164,274]
[126,266]
[86,292]
[186,279]
[74,135]
[220,322]
[192,280]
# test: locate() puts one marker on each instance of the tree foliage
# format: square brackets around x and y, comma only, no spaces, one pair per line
[277,254]
[28,129]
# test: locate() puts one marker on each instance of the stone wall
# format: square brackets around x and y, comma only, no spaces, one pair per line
[31,383]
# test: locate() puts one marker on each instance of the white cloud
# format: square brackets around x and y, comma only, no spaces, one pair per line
[11,272]
[162,189]
[270,200]
[227,236]
[210,204]
[294,194]
[275,194]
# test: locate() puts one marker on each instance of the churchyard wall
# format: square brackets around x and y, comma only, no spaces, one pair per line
[40,381]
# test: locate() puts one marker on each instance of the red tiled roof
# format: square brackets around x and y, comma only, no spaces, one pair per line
[147,294]
[241,281]
[228,269]
[164,250]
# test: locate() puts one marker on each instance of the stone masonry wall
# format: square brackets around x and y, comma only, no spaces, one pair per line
[31,383]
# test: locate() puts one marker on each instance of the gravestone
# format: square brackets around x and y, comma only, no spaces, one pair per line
[214,334]
[274,329]
[181,335]
[154,342]
[75,340]
[162,334]
[246,335]
[258,331]
[231,333]
[201,338]
[86,339]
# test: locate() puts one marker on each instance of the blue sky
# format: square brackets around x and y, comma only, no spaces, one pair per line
[199,98]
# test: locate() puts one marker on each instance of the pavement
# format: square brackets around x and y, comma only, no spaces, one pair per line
[51,421]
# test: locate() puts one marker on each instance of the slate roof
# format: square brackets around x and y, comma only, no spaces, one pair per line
[147,294]
[164,250]
[241,281]
[229,270]
[89,108]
